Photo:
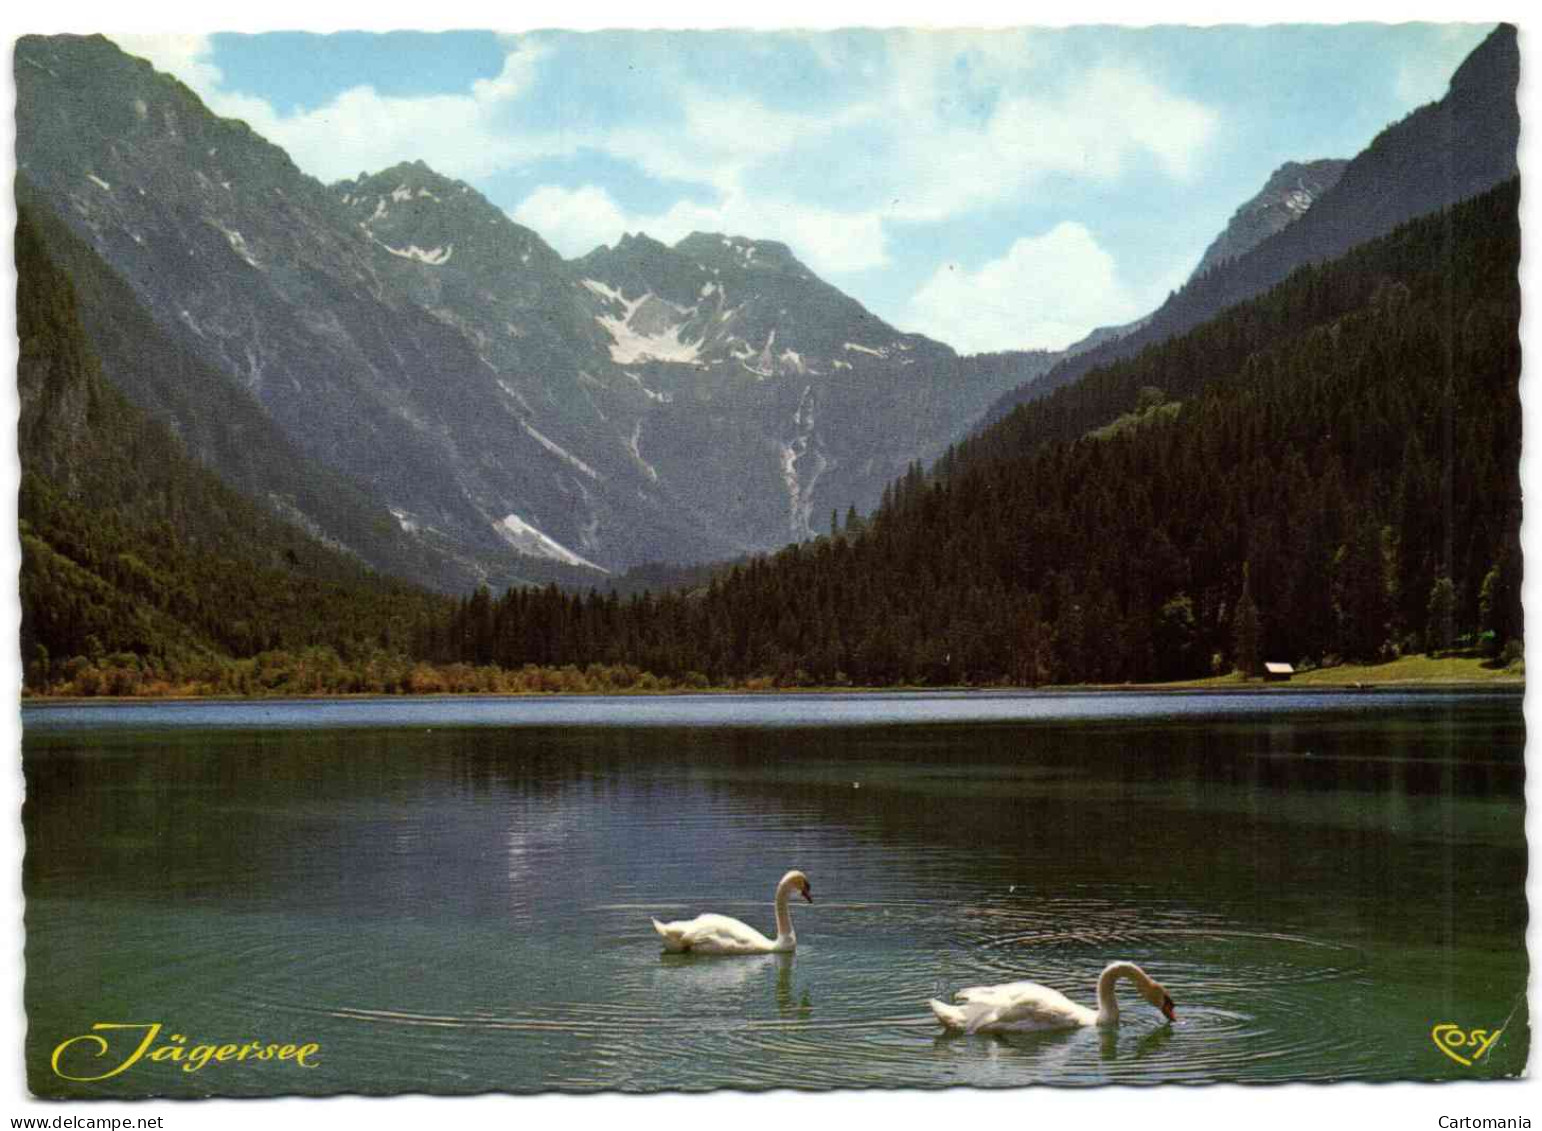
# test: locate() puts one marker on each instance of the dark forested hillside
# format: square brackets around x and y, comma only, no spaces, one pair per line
[134,554]
[1328,471]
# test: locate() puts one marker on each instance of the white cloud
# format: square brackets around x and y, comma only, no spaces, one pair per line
[576,221]
[918,163]
[1045,293]
[718,140]
[1112,116]
[942,124]
[460,135]
[186,56]
[362,129]
[516,77]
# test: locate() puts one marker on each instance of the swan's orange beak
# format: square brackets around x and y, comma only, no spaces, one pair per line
[1167,1008]
[808,895]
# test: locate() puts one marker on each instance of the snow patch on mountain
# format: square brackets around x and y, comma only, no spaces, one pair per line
[604,291]
[789,455]
[434,256]
[529,540]
[558,450]
[802,464]
[514,394]
[632,446]
[237,243]
[661,398]
[765,364]
[98,182]
[648,328]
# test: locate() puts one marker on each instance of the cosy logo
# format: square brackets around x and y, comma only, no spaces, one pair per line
[124,1045]
[1464,1047]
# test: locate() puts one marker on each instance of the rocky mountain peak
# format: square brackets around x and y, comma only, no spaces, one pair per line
[414,177]
[641,242]
[419,214]
[1289,193]
[1495,64]
[724,252]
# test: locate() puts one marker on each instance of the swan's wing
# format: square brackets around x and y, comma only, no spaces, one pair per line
[713,934]
[1004,994]
[1021,1006]
[1046,1010]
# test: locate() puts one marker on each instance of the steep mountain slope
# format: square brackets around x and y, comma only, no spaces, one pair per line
[265,275]
[218,422]
[129,547]
[744,349]
[468,265]
[516,417]
[1439,154]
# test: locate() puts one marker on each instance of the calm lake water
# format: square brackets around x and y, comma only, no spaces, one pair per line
[454,895]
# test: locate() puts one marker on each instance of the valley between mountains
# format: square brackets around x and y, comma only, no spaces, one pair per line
[257,408]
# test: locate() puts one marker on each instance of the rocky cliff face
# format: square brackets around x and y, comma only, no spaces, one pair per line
[744,349]
[511,412]
[266,276]
[1287,196]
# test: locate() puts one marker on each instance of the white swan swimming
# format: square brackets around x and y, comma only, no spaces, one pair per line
[1027,1007]
[718,934]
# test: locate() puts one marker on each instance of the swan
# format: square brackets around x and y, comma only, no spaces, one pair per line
[718,934]
[1027,1007]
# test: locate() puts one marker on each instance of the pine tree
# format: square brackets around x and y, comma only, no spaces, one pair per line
[1245,628]
[1440,630]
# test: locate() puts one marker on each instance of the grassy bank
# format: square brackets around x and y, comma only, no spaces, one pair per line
[1406,671]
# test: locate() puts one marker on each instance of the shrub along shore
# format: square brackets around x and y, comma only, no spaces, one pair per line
[319,672]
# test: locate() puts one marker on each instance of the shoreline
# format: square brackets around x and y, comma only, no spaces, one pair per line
[1498,684]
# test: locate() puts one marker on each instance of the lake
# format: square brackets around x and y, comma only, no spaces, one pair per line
[454,895]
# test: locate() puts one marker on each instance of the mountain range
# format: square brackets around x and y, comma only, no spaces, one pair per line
[425,385]
[494,413]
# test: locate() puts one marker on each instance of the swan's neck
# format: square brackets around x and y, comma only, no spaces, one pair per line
[784,932]
[1108,1004]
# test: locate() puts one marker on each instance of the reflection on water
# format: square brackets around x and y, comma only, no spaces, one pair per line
[456,895]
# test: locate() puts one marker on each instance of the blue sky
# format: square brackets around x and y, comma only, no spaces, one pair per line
[994,189]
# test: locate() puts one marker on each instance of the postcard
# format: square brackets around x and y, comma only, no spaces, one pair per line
[642,561]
